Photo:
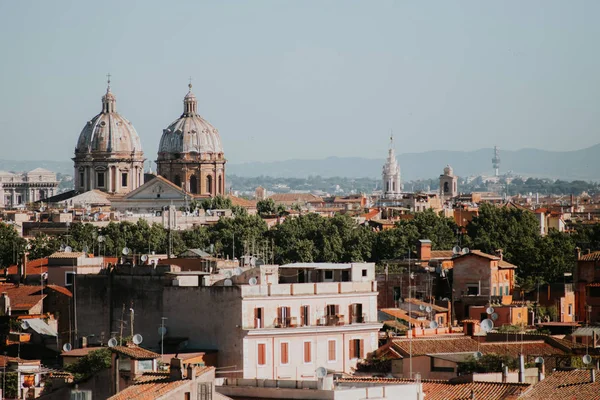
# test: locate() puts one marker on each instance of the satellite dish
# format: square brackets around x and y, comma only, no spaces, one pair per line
[162,330]
[489,310]
[112,342]
[96,216]
[100,239]
[487,325]
[421,307]
[125,251]
[433,325]
[183,345]
[86,249]
[144,258]
[321,372]
[443,273]
[412,275]
[494,316]
[456,250]
[238,271]
[24,325]
[62,247]
[227,274]
[465,250]
[478,355]
[137,338]
[539,360]
[587,359]
[67,347]
[68,249]
[428,309]
[227,282]
[253,281]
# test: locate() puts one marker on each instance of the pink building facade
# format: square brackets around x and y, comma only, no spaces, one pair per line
[293,328]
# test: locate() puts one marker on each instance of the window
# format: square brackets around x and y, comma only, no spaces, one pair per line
[331,356]
[364,272]
[262,354]
[355,313]
[69,278]
[570,309]
[187,396]
[205,391]
[209,184]
[100,179]
[146,365]
[193,184]
[307,352]
[283,317]
[328,275]
[81,179]
[124,179]
[285,355]
[259,318]
[305,315]
[345,276]
[446,187]
[494,293]
[473,290]
[356,348]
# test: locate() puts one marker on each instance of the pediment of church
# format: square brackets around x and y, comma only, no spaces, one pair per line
[157,188]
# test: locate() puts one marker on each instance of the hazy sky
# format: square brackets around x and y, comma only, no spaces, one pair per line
[305,79]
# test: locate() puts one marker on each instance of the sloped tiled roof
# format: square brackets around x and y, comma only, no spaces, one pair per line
[595,256]
[420,302]
[134,351]
[444,390]
[423,346]
[565,385]
[239,201]
[22,297]
[63,254]
[60,289]
[295,197]
[149,390]
[442,254]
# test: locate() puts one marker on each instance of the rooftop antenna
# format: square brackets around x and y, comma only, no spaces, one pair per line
[496,161]
[162,331]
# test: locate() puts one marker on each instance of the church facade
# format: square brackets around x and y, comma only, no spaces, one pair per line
[190,153]
[108,155]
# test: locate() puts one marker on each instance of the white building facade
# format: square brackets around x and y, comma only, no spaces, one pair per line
[16,190]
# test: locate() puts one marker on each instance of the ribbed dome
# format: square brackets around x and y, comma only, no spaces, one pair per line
[448,170]
[108,132]
[190,133]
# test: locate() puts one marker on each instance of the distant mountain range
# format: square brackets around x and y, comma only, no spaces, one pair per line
[581,164]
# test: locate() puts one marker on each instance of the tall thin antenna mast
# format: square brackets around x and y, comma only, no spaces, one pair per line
[409,317]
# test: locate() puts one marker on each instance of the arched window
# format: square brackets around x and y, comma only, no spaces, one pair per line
[387,187]
[446,187]
[177,181]
[193,184]
[209,184]
[220,187]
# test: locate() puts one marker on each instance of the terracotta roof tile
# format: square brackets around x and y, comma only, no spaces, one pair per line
[60,289]
[295,197]
[567,385]
[22,297]
[134,351]
[595,256]
[444,390]
[62,254]
[442,254]
[149,390]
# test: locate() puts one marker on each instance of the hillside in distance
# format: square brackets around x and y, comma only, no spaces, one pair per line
[581,164]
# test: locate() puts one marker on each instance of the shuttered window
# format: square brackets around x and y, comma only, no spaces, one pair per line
[305,316]
[331,350]
[262,354]
[285,356]
[307,352]
[356,348]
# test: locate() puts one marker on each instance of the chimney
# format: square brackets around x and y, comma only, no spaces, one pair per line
[24,266]
[4,304]
[521,368]
[588,251]
[424,250]
[504,373]
[593,375]
[578,253]
[191,372]
[175,369]
[499,254]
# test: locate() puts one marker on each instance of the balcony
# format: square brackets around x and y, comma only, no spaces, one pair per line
[304,289]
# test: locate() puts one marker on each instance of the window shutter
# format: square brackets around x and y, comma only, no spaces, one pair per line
[307,352]
[362,349]
[284,353]
[331,355]
[262,357]
[350,313]
[351,348]
[337,309]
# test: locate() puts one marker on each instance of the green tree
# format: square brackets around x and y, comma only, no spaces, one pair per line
[266,207]
[196,238]
[217,203]
[11,388]
[245,229]
[395,243]
[440,230]
[42,246]
[90,364]
[11,245]
[487,363]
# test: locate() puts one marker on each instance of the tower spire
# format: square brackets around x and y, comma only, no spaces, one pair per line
[108,82]
[190,104]
[108,100]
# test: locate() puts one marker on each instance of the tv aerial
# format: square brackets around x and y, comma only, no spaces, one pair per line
[112,342]
[252,281]
[67,347]
[137,339]
[321,372]
[487,325]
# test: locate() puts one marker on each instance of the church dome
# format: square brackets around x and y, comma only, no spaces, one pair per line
[190,133]
[448,170]
[108,132]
